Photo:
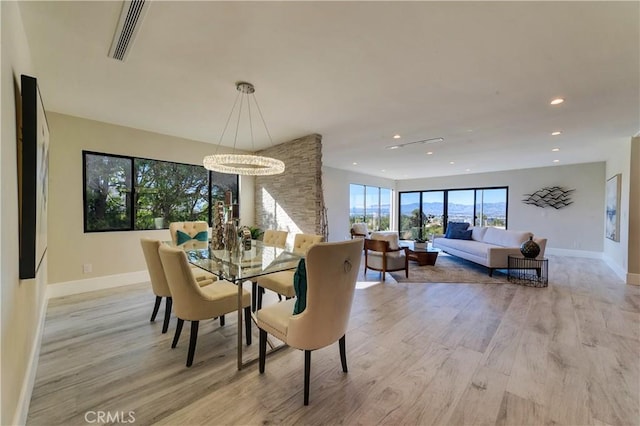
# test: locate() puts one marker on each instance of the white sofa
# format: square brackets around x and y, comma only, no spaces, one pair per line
[488,246]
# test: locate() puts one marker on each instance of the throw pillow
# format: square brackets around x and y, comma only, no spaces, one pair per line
[300,287]
[458,234]
[454,227]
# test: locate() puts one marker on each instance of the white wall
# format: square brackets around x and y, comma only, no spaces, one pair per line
[109,253]
[23,302]
[616,252]
[335,184]
[576,229]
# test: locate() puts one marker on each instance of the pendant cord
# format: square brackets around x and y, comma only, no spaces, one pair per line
[227,123]
[262,118]
[235,138]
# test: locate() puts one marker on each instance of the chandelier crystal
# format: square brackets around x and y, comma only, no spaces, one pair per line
[244,164]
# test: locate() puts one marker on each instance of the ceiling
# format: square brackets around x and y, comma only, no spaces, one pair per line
[478,74]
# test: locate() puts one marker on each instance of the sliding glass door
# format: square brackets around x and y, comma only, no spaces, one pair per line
[425,213]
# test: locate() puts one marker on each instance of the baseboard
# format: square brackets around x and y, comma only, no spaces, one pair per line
[633,279]
[98,283]
[28,384]
[574,253]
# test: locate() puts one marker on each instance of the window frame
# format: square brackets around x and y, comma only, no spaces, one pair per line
[445,200]
[132,191]
[377,190]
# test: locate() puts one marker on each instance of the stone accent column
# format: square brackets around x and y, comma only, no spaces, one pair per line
[293,201]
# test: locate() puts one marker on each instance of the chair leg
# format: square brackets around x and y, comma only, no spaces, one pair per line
[178,331]
[254,295]
[155,308]
[343,353]
[247,324]
[279,297]
[259,302]
[167,314]
[221,320]
[490,272]
[192,342]
[263,350]
[307,374]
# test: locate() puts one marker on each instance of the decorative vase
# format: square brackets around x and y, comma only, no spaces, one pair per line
[530,249]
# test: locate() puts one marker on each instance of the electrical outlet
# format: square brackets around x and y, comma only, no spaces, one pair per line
[86,268]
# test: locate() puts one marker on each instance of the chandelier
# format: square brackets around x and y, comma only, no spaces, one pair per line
[243,164]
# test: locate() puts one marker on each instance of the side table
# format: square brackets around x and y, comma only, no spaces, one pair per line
[529,272]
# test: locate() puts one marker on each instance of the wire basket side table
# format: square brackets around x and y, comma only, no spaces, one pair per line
[529,272]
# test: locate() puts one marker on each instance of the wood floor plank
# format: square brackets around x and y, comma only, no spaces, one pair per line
[441,354]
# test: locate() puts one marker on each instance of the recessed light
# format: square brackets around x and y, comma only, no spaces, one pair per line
[556,161]
[557,101]
[555,149]
[354,163]
[556,133]
[467,170]
[393,147]
[452,162]
[383,170]
[397,136]
[429,152]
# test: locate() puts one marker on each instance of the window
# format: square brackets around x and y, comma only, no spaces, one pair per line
[370,204]
[126,193]
[425,213]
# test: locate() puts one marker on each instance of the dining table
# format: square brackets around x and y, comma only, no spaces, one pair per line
[240,265]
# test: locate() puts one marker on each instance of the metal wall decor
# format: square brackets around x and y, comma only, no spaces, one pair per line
[550,196]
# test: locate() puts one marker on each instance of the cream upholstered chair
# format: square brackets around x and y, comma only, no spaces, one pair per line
[273,238]
[159,281]
[332,271]
[359,230]
[194,303]
[382,252]
[189,234]
[282,282]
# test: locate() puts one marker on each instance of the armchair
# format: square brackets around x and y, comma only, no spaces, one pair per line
[382,252]
[359,230]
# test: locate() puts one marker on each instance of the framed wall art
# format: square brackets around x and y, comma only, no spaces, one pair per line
[33,176]
[612,214]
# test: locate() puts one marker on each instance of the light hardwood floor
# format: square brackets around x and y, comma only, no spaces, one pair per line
[446,354]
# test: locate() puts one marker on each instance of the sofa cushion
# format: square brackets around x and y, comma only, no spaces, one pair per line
[390,236]
[454,227]
[504,237]
[478,232]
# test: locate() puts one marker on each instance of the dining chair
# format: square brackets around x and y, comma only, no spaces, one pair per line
[382,252]
[271,238]
[282,282]
[331,271]
[194,303]
[189,234]
[159,281]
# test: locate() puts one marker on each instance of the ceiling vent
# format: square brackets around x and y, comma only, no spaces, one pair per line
[131,17]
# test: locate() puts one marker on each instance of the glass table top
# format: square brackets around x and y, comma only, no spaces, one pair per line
[242,265]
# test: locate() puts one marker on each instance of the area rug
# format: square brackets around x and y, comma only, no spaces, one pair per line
[450,269]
